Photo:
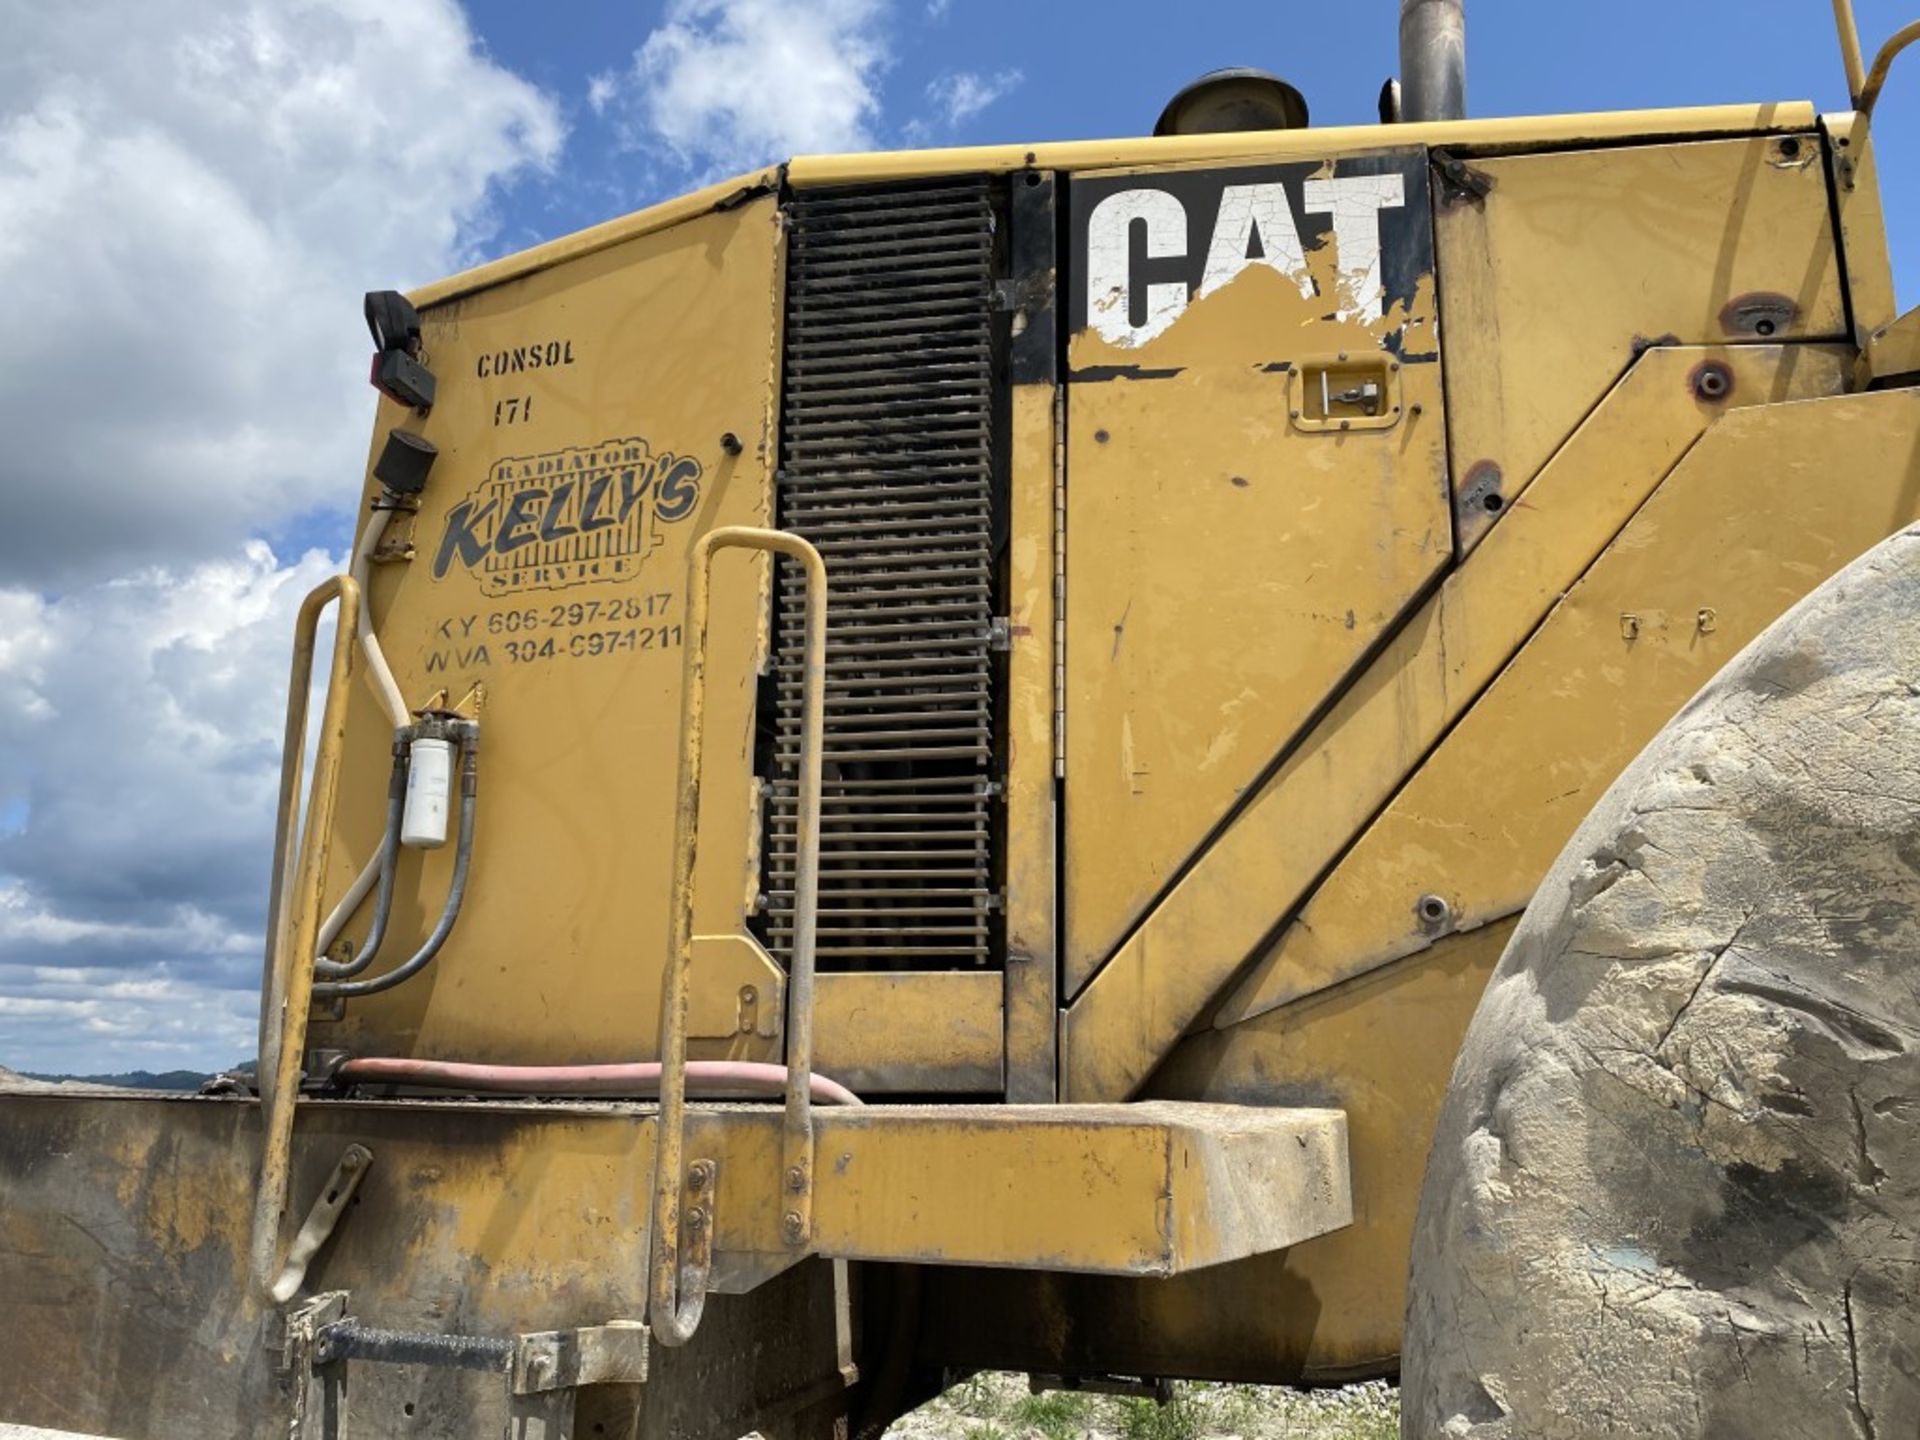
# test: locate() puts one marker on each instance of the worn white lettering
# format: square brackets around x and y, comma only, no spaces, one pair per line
[1355,203]
[1110,264]
[1249,212]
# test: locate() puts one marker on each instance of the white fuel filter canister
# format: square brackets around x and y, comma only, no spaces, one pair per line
[423,825]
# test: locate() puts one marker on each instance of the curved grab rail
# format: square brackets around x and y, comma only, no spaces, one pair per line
[293,917]
[1864,81]
[676,1299]
[1883,62]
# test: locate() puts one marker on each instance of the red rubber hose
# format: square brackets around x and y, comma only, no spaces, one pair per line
[709,1077]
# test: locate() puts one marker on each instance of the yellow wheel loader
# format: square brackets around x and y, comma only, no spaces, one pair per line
[923,759]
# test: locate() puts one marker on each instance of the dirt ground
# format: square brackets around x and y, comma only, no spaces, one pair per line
[999,1407]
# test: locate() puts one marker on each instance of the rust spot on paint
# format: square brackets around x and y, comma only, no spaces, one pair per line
[1481,488]
[1760,312]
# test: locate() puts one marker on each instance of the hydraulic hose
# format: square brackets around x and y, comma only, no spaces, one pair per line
[456,890]
[389,862]
[712,1077]
[391,700]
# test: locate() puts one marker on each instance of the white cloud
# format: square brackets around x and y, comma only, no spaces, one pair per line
[194,197]
[727,85]
[141,734]
[958,97]
[88,1022]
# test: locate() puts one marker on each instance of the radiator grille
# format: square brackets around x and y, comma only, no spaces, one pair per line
[886,464]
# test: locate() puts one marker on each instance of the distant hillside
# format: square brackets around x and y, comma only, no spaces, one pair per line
[136,1079]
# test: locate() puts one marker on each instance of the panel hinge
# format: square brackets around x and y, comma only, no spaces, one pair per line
[1460,183]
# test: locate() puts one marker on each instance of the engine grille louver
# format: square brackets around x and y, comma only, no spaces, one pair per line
[886,464]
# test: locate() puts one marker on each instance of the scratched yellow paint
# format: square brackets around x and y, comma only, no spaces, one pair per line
[664,343]
[1572,261]
[1211,923]
[182,1205]
[1032,869]
[1701,569]
[1841,472]
[1381,1048]
[1645,532]
[917,1032]
[1224,566]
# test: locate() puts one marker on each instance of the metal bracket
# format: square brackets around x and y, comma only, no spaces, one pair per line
[616,1353]
[318,1227]
[308,1392]
[393,552]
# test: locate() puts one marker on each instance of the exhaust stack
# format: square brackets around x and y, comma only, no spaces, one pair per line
[1433,59]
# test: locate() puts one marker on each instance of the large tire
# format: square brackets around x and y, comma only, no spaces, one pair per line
[1676,1182]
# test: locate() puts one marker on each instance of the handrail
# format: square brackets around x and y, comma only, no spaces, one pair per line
[1883,62]
[293,920]
[674,1307]
[1850,49]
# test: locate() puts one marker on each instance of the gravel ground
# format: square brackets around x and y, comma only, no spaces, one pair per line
[998,1407]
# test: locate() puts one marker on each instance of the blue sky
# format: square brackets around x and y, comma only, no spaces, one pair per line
[1074,71]
[194,195]
[1088,70]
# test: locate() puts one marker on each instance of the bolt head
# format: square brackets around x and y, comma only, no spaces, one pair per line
[1712,382]
[791,1225]
[796,1179]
